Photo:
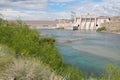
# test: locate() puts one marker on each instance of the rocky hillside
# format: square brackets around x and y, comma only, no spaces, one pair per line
[114,24]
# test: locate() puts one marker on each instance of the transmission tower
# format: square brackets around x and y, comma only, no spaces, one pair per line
[73,16]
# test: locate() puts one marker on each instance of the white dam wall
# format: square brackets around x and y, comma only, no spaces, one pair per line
[89,22]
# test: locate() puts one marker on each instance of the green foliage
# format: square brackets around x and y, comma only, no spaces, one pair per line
[60,28]
[28,42]
[101,29]
[25,43]
[73,74]
[111,73]
[6,56]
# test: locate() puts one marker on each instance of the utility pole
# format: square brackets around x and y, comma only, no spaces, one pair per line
[73,16]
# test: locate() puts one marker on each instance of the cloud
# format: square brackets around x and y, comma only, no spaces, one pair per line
[29,9]
[105,7]
[11,14]
[62,0]
[48,9]
[26,4]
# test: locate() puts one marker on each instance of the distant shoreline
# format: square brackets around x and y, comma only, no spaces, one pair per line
[115,32]
[111,32]
[78,30]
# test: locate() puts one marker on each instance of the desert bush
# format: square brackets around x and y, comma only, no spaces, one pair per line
[102,29]
[28,42]
[29,69]
[6,56]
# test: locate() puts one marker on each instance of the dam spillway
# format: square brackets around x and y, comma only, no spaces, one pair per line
[89,22]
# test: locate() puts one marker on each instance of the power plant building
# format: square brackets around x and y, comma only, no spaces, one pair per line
[89,22]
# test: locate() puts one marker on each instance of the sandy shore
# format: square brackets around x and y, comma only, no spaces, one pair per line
[111,32]
[115,32]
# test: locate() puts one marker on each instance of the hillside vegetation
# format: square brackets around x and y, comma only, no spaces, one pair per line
[26,43]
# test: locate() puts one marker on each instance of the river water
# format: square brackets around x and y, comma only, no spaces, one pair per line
[89,51]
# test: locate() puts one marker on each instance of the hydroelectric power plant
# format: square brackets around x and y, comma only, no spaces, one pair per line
[89,22]
[84,22]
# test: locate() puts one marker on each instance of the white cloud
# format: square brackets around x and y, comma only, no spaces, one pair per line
[28,4]
[35,9]
[62,0]
[12,14]
[106,7]
[10,10]
[34,15]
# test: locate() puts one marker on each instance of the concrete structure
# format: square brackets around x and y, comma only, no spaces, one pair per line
[89,22]
[84,22]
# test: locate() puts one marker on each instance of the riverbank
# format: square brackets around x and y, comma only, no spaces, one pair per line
[25,68]
[111,32]
[28,43]
[115,32]
[32,52]
[80,48]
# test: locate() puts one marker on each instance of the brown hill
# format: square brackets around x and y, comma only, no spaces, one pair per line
[114,24]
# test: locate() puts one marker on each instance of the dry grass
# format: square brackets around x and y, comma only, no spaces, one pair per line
[29,69]
[24,68]
[6,56]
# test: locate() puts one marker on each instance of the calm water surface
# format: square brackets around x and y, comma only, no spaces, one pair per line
[89,51]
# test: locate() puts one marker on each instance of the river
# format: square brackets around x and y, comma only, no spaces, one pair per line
[90,51]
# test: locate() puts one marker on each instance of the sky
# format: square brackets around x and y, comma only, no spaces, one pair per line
[56,9]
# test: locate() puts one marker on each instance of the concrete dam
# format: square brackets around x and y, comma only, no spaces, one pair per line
[84,22]
[89,22]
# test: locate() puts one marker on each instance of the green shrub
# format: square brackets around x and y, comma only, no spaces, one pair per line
[60,28]
[102,29]
[111,73]
[6,56]
[28,42]
[73,73]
